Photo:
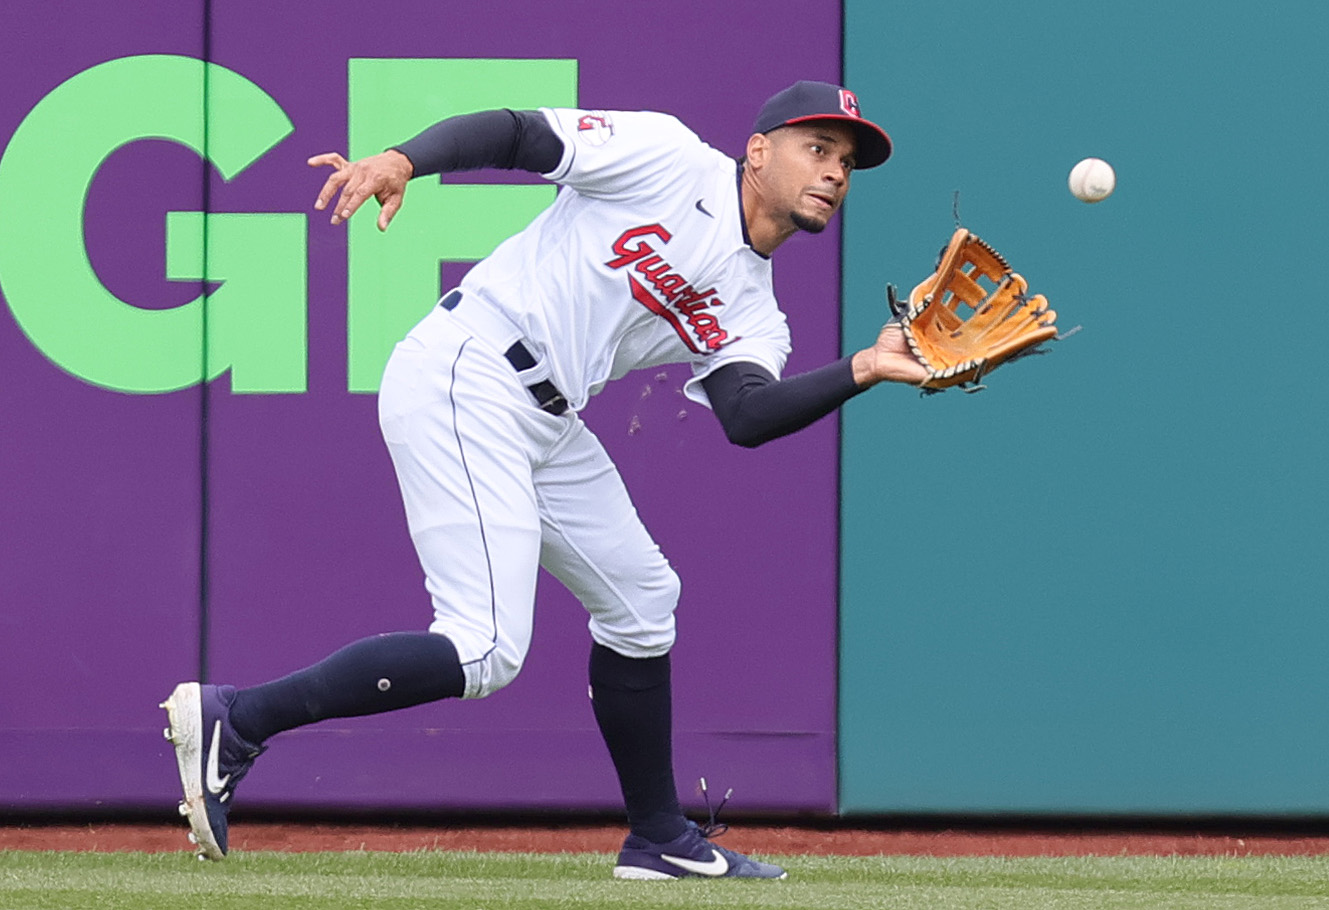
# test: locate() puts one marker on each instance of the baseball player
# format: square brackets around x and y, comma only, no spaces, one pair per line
[656,250]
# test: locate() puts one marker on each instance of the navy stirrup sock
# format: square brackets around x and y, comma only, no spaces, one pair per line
[633,707]
[370,676]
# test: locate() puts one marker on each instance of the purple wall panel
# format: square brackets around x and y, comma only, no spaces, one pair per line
[307,544]
[99,491]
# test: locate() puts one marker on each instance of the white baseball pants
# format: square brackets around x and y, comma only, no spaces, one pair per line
[494,487]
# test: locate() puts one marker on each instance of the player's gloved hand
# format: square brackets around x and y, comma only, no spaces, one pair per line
[971,315]
[889,360]
[383,176]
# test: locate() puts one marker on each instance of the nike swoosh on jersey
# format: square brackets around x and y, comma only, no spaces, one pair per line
[214,782]
[701,208]
[716,866]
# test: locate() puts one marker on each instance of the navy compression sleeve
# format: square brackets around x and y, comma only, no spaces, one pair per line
[754,407]
[510,140]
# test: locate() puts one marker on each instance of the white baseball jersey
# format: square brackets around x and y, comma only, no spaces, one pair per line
[641,260]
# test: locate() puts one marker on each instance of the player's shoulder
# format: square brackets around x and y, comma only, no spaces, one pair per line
[631,153]
[599,127]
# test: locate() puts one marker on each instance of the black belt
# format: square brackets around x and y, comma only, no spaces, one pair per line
[547,395]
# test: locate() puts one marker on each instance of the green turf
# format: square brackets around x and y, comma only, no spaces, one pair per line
[435,880]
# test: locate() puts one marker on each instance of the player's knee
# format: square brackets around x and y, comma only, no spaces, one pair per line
[491,673]
[668,590]
[653,608]
[642,624]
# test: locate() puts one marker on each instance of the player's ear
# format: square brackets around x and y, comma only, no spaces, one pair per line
[759,150]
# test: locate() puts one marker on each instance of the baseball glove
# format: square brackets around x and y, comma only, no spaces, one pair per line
[971,315]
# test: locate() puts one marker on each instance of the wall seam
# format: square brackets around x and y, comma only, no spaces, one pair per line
[205,410]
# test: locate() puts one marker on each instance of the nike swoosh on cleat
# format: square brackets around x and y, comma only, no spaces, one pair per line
[717,865]
[215,783]
[701,208]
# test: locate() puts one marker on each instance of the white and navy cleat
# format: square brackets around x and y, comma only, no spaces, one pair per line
[211,758]
[690,855]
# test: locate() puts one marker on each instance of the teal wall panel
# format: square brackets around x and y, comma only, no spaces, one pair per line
[1099,586]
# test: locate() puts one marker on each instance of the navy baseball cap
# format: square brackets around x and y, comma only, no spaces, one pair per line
[805,101]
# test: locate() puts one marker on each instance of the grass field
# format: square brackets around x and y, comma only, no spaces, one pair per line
[436,880]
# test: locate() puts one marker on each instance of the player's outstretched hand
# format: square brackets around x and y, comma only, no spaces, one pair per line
[383,176]
[889,360]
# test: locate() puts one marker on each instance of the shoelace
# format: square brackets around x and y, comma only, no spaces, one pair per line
[713,828]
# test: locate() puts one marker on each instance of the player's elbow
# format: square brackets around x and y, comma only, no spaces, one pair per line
[746,437]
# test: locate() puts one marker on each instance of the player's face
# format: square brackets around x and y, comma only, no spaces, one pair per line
[809,171]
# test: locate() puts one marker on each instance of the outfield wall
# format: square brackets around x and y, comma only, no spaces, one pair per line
[1108,599]
[1100,585]
[153,524]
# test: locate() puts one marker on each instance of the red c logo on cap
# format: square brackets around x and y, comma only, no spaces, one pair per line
[849,103]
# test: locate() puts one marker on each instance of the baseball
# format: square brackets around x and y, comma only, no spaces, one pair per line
[1092,180]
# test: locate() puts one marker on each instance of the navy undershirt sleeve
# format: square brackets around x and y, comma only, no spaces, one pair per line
[506,139]
[754,407]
